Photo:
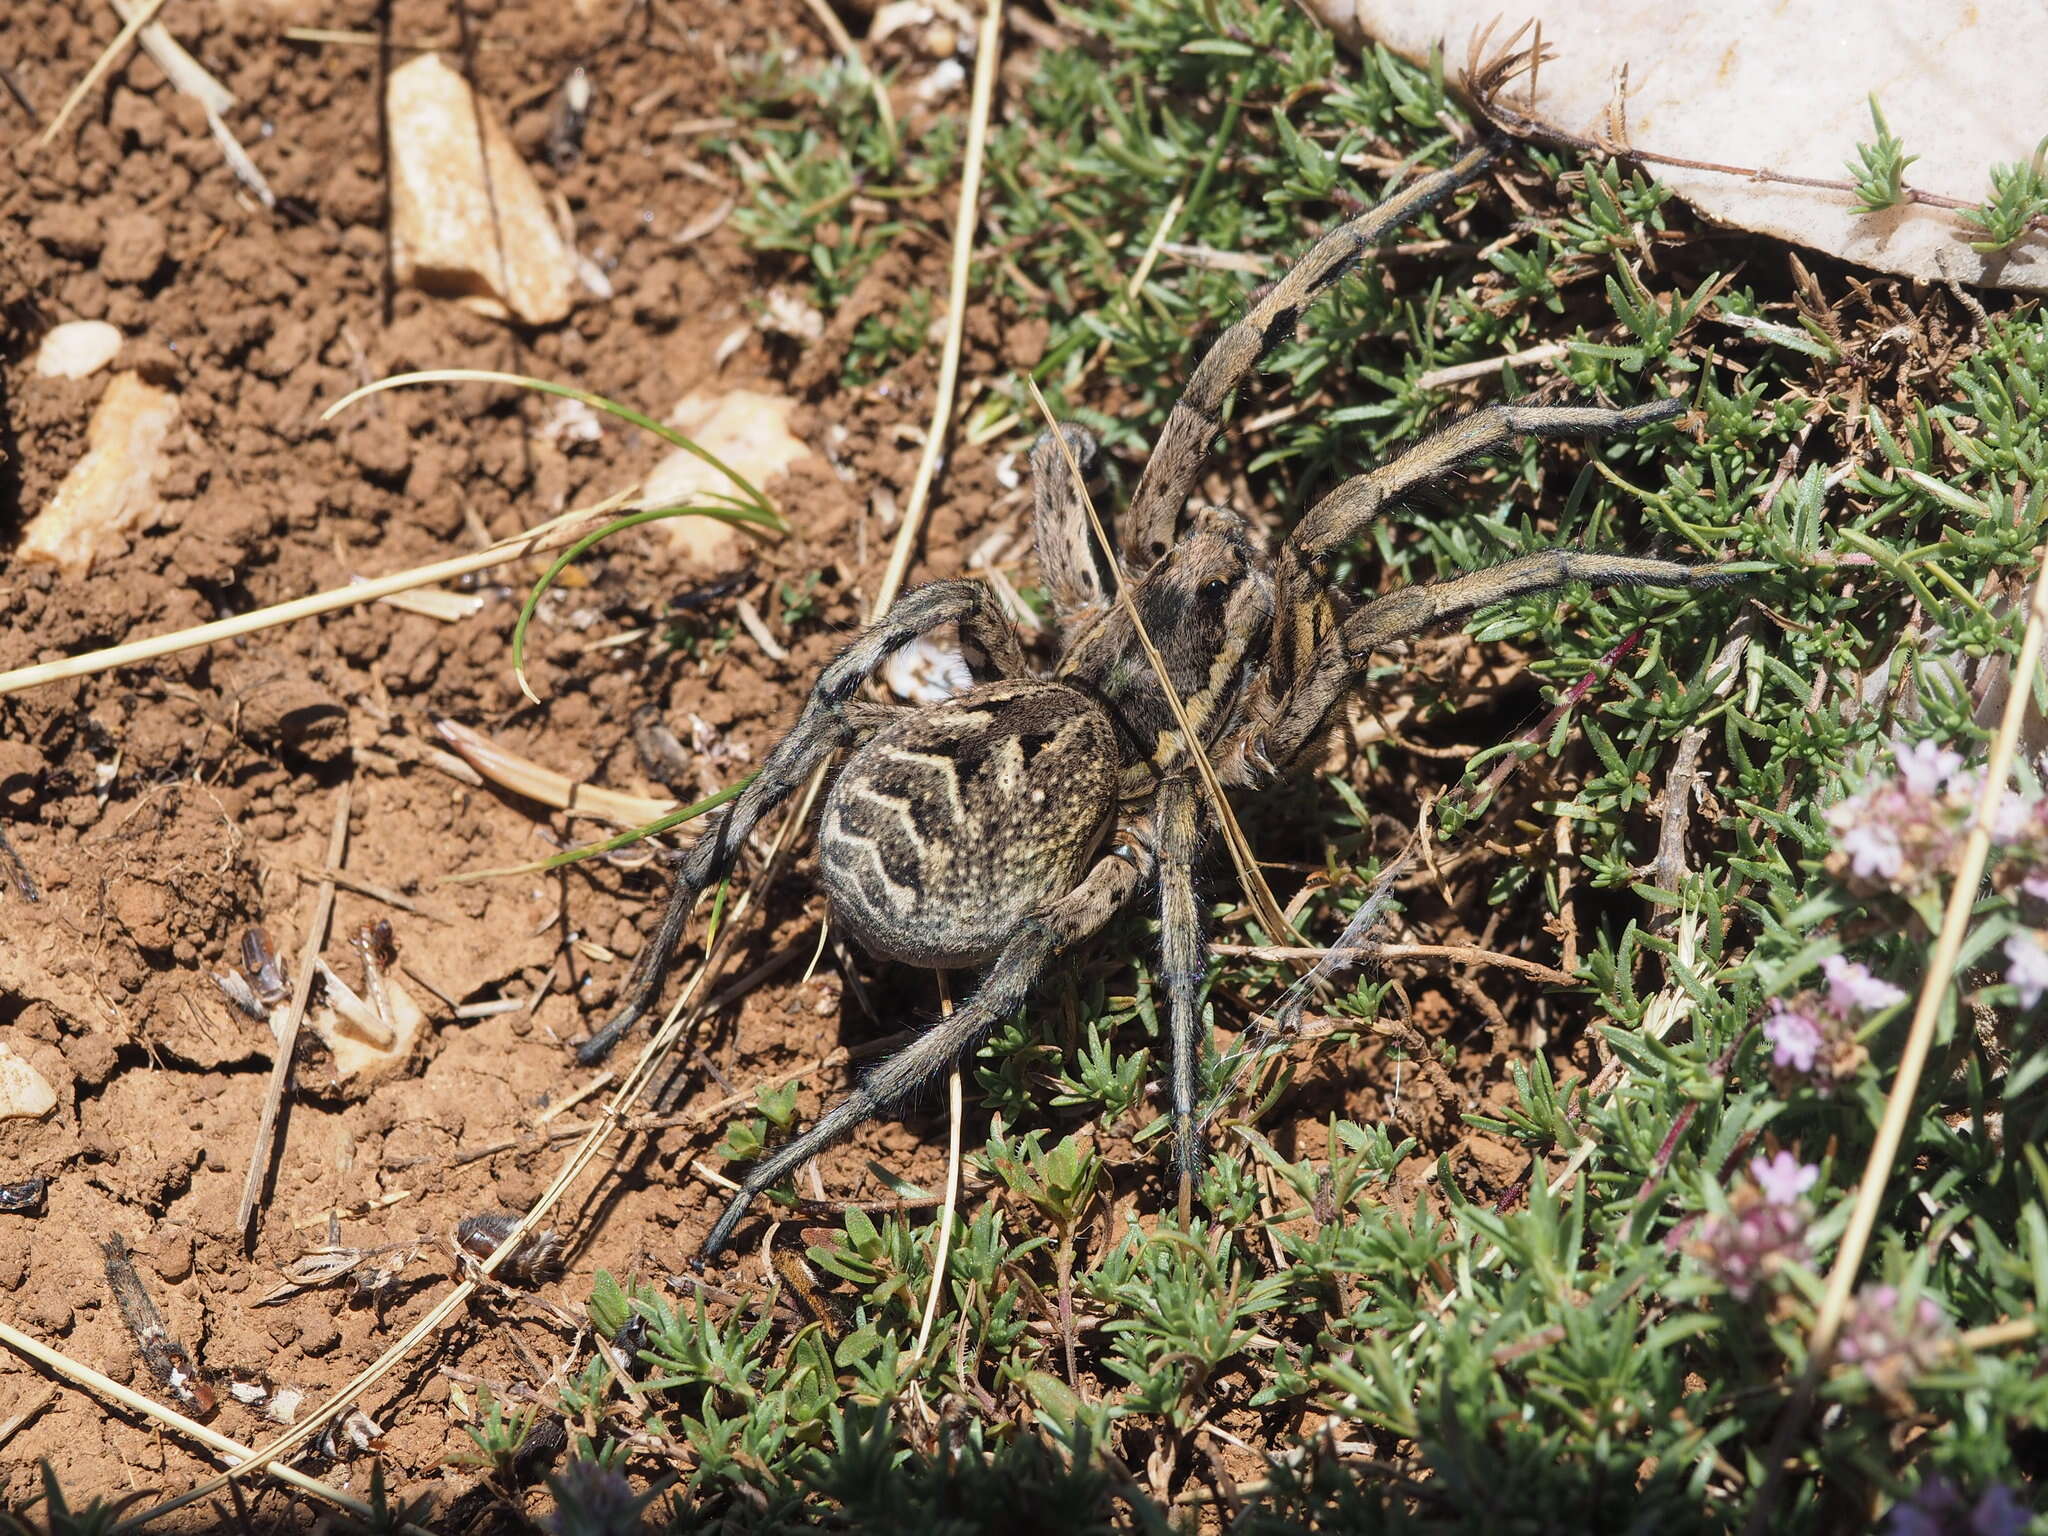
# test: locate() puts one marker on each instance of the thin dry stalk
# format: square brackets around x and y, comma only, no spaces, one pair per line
[232,1450]
[1255,888]
[101,65]
[931,1300]
[1461,954]
[551,535]
[988,50]
[1898,1106]
[287,1037]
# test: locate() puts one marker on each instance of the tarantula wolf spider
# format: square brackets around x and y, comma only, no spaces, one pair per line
[1000,827]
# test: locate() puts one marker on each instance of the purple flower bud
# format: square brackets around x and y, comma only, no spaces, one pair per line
[1783,1178]
[1851,986]
[2027,966]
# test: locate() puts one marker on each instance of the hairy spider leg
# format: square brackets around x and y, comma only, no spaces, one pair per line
[1183,447]
[826,724]
[1320,641]
[1070,561]
[1058,925]
[1184,962]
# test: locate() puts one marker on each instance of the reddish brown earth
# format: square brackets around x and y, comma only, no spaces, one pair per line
[164,809]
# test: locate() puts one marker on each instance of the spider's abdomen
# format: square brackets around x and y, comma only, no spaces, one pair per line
[948,827]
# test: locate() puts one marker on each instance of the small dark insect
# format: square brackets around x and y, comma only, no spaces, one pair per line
[572,113]
[164,1355]
[24,1198]
[538,1257]
[662,753]
[707,593]
[544,1443]
[18,871]
[378,949]
[996,829]
[264,969]
[259,984]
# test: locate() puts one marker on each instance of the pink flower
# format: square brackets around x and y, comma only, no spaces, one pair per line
[1795,1035]
[1873,848]
[2027,966]
[1783,1178]
[1852,986]
[1752,1241]
[1925,767]
[1892,1338]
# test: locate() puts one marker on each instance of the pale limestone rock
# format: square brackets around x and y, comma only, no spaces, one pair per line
[77,349]
[24,1093]
[750,432]
[1760,83]
[467,218]
[113,487]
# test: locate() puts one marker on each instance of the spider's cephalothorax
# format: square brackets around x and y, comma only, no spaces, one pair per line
[997,828]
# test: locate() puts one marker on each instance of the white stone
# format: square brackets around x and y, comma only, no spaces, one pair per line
[1763,84]
[24,1093]
[77,348]
[750,432]
[113,487]
[467,218]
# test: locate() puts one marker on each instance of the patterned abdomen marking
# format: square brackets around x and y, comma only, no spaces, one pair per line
[945,830]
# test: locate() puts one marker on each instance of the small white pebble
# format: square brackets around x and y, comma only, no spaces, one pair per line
[944,79]
[1007,475]
[77,348]
[925,671]
[569,422]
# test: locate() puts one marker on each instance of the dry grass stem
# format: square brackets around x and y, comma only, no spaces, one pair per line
[544,786]
[100,66]
[946,1210]
[988,52]
[287,1038]
[550,535]
[231,1450]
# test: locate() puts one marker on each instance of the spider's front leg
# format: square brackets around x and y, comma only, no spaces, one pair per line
[1170,475]
[1321,642]
[1059,924]
[825,725]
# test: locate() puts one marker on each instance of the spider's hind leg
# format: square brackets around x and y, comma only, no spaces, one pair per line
[1002,991]
[1184,963]
[1411,610]
[824,726]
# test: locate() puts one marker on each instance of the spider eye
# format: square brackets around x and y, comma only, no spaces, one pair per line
[1215,591]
